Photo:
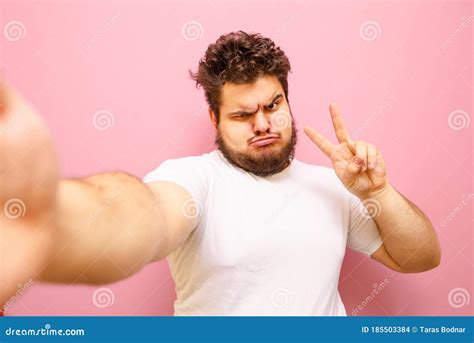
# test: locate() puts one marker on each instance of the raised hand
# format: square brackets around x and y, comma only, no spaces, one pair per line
[359,165]
[28,183]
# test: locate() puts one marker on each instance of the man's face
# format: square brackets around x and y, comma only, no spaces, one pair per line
[256,130]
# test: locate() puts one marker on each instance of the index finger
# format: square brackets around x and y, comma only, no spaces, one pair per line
[339,126]
[325,145]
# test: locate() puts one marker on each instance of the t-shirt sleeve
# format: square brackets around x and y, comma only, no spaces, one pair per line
[363,235]
[187,172]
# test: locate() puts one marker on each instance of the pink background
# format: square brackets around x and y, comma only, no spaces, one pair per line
[131,58]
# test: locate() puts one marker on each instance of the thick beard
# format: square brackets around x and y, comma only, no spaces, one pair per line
[264,165]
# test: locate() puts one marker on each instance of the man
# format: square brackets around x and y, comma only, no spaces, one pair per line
[247,229]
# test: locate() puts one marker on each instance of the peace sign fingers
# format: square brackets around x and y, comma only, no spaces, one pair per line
[324,144]
[339,126]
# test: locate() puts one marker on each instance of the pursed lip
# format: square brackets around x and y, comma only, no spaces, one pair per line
[270,137]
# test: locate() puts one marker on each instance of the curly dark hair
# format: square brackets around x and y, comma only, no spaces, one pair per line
[239,57]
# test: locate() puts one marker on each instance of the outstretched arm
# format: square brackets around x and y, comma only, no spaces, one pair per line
[97,229]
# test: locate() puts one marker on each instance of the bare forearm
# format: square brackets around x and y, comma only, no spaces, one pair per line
[106,229]
[408,234]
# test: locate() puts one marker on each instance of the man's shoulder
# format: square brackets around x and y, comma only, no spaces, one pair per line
[192,160]
[187,165]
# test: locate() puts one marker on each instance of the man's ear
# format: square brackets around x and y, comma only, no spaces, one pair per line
[213,118]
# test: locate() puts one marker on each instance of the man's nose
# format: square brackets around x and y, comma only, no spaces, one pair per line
[261,123]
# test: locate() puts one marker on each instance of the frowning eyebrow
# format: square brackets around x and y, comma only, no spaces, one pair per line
[243,112]
[276,98]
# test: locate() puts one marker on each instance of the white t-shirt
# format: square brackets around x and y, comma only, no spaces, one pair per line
[266,246]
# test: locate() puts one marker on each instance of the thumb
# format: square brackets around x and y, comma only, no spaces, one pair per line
[354,166]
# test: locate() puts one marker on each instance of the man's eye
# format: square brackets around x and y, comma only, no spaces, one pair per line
[241,115]
[273,106]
